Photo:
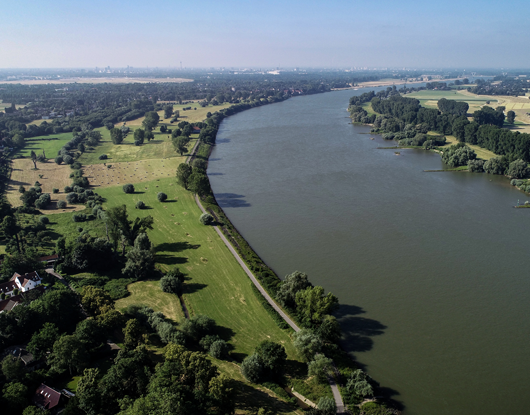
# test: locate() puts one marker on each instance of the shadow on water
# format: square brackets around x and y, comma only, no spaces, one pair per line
[222,140]
[357,331]
[215,174]
[232,200]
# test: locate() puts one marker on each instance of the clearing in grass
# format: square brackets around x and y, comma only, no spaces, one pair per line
[50,144]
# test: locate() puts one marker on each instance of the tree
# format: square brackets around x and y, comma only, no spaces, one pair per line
[68,353]
[360,384]
[43,340]
[475,166]
[128,188]
[219,349]
[180,145]
[132,333]
[290,286]
[161,196]
[496,165]
[12,368]
[140,261]
[118,224]
[312,305]
[327,406]
[183,173]
[15,394]
[34,158]
[150,121]
[307,343]
[458,155]
[206,219]
[139,136]
[273,357]
[199,184]
[140,205]
[116,136]
[96,301]
[221,390]
[171,284]
[518,169]
[252,368]
[168,111]
[87,392]
[510,117]
[90,333]
[320,367]
[329,330]
[18,141]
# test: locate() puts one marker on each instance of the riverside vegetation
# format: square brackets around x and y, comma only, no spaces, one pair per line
[404,119]
[131,255]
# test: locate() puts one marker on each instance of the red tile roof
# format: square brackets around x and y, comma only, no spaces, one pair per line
[46,397]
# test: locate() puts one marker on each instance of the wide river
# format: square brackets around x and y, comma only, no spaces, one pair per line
[431,269]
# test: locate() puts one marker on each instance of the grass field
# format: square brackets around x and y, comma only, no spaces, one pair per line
[482,153]
[51,144]
[149,293]
[429,99]
[216,285]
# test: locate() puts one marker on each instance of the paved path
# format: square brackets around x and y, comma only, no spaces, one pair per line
[334,387]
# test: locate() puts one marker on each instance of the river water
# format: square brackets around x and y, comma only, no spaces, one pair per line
[430,268]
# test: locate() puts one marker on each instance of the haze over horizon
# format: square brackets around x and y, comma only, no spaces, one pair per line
[239,33]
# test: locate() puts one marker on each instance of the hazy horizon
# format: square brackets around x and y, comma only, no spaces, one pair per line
[205,33]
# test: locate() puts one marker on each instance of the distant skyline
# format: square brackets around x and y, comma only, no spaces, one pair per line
[237,33]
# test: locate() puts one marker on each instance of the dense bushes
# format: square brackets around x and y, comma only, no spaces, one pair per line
[458,155]
[206,219]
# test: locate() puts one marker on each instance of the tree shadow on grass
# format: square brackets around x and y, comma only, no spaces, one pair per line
[193,287]
[250,400]
[170,259]
[175,246]
[357,331]
[225,333]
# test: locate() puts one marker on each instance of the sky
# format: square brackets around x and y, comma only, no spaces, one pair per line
[265,33]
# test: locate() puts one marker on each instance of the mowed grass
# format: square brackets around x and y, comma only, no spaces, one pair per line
[482,153]
[159,148]
[148,293]
[216,286]
[51,144]
[429,99]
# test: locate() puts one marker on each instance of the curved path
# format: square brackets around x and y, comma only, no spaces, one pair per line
[334,388]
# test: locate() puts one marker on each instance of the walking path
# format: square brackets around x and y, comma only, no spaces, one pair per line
[334,388]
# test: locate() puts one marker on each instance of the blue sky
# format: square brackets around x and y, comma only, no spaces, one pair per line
[238,33]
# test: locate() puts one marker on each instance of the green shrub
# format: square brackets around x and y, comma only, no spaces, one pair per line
[61,204]
[140,205]
[44,220]
[206,219]
[162,197]
[55,190]
[103,157]
[128,188]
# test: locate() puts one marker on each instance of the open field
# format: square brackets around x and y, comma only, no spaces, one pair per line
[159,148]
[50,144]
[102,80]
[192,115]
[429,99]
[482,153]
[140,172]
[217,286]
[53,176]
[149,293]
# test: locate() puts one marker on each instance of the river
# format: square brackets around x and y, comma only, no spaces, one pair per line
[430,268]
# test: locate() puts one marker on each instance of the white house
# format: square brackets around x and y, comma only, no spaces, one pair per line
[26,282]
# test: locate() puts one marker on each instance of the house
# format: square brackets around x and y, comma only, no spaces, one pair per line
[46,398]
[26,282]
[26,358]
[49,259]
[196,130]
